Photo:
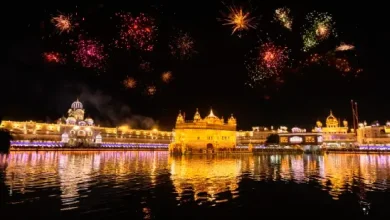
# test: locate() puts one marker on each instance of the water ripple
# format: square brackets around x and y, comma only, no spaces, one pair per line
[149,184]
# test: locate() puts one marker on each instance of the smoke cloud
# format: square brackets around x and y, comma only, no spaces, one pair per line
[110,112]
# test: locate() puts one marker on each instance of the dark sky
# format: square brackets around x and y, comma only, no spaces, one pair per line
[214,77]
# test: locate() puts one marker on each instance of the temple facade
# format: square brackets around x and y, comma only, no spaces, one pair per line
[209,134]
[335,134]
[78,130]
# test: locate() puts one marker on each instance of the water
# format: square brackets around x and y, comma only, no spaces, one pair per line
[154,185]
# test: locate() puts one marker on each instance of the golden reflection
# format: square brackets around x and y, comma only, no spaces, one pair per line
[76,174]
[205,174]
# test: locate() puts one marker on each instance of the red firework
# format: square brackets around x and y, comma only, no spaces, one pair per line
[140,30]
[90,54]
[53,57]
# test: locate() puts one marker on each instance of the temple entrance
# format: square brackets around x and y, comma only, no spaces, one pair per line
[210,148]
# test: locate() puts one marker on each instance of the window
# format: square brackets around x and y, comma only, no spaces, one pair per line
[198,138]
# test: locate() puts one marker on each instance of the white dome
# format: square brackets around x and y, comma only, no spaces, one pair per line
[70,120]
[77,105]
[89,121]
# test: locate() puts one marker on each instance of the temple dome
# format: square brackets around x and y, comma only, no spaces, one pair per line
[89,121]
[197,116]
[232,120]
[180,118]
[212,119]
[71,120]
[211,115]
[331,120]
[319,124]
[345,123]
[77,105]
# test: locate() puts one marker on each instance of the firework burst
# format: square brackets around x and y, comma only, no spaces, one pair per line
[63,23]
[140,31]
[151,90]
[239,20]
[166,77]
[320,27]
[130,83]
[344,47]
[269,62]
[182,46]
[283,16]
[90,54]
[53,57]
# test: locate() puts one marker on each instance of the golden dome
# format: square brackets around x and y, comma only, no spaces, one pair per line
[212,119]
[232,120]
[180,118]
[211,115]
[319,124]
[345,123]
[197,116]
[331,120]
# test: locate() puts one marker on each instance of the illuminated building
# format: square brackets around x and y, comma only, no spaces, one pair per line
[334,134]
[373,135]
[204,135]
[256,137]
[299,138]
[76,130]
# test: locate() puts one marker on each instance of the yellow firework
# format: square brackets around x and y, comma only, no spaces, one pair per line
[239,20]
[62,23]
[130,83]
[166,76]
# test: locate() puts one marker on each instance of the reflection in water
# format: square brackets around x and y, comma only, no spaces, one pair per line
[205,177]
[101,181]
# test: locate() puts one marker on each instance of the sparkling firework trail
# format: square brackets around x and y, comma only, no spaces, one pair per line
[63,23]
[239,20]
[53,57]
[166,76]
[320,27]
[140,31]
[344,47]
[283,16]
[90,54]
[130,83]
[270,61]
[151,90]
[182,46]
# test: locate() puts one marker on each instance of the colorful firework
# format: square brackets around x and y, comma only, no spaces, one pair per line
[53,57]
[90,54]
[343,65]
[140,31]
[151,90]
[283,16]
[320,27]
[344,47]
[182,46]
[63,23]
[269,62]
[166,77]
[239,20]
[130,83]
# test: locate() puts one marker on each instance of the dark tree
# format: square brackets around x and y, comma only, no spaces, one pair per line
[5,138]
[272,139]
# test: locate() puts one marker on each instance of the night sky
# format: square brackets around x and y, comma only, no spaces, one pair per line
[213,77]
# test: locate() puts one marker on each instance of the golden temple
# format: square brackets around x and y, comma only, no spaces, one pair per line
[204,135]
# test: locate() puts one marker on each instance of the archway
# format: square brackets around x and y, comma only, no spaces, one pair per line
[210,146]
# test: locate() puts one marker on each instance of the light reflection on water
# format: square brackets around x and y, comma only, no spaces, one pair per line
[96,182]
